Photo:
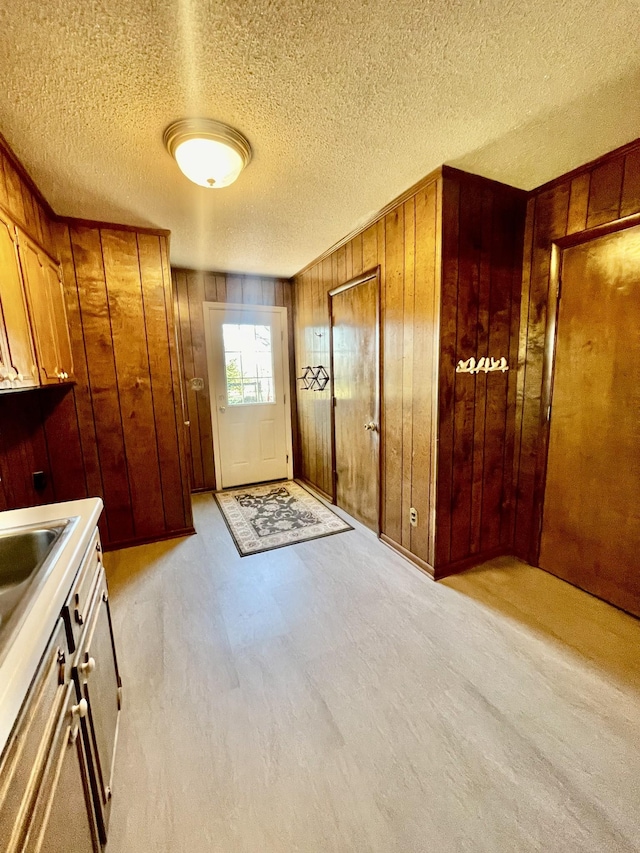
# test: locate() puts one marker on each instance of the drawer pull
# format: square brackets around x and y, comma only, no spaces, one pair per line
[88,666]
[80,710]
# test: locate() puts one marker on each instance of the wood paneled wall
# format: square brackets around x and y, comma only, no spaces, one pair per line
[597,193]
[450,262]
[128,405]
[119,432]
[405,245]
[39,431]
[191,289]
[483,224]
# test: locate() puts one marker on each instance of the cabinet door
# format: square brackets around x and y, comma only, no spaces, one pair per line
[99,682]
[60,321]
[18,367]
[36,277]
[23,759]
[63,820]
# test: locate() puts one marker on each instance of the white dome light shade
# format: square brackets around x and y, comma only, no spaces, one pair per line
[208,153]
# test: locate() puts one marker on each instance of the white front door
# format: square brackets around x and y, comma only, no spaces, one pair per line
[248,373]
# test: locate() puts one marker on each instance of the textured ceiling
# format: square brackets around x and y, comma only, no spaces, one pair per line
[346,104]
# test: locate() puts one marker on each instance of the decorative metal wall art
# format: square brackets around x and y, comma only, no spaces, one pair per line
[483,365]
[314,378]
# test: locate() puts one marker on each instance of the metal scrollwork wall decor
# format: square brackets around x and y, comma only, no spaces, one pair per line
[314,378]
[483,365]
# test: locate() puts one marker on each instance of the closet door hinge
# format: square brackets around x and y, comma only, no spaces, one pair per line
[559,288]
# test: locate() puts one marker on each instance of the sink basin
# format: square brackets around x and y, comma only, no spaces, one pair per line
[21,554]
[26,556]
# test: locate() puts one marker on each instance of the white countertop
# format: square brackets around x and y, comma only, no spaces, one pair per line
[20,660]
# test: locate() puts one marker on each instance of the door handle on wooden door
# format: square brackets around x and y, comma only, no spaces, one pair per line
[222,408]
[371,426]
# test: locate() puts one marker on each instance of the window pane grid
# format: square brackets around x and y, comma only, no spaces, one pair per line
[248,364]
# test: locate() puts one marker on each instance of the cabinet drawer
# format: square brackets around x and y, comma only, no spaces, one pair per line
[76,610]
[26,753]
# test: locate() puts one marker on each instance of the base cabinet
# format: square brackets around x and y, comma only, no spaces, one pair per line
[56,770]
[62,820]
[99,685]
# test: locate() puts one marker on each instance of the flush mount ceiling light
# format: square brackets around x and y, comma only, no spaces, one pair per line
[209,153]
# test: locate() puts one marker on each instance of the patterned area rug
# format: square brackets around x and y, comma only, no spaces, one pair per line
[260,518]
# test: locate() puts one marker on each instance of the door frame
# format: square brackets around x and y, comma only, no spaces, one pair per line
[369,275]
[548,363]
[207,308]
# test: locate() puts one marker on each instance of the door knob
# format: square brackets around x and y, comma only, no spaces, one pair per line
[372,425]
[222,408]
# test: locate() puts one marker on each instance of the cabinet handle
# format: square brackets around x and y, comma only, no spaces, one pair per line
[80,710]
[88,666]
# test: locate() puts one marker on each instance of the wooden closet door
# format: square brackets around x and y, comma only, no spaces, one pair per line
[354,345]
[591,520]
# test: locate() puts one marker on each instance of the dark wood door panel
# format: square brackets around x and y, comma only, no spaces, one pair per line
[591,517]
[354,341]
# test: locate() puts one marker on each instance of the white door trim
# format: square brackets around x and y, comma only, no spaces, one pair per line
[234,306]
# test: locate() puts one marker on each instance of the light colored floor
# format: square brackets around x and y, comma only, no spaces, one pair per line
[328,697]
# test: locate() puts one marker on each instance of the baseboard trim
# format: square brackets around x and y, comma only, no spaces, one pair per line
[130,543]
[315,488]
[421,564]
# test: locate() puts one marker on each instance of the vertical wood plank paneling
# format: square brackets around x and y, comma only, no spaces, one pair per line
[200,401]
[578,203]
[448,279]
[66,463]
[508,479]
[424,383]
[502,251]
[393,339]
[464,385]
[186,346]
[77,435]
[482,344]
[407,367]
[82,391]
[97,341]
[129,341]
[448,335]
[605,192]
[165,404]
[177,382]
[630,201]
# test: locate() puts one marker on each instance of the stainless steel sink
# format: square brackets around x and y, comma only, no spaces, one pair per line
[26,557]
[23,553]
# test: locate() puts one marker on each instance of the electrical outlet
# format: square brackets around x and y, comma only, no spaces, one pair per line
[39,481]
[413,516]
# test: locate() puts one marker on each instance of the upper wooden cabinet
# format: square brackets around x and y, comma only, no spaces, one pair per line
[17,355]
[45,299]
